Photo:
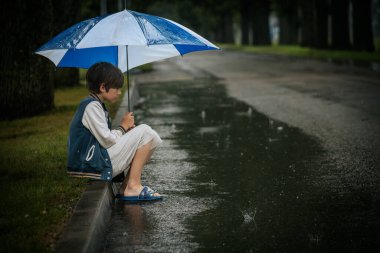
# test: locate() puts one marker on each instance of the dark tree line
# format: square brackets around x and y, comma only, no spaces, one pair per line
[305,22]
[255,22]
[311,23]
[65,14]
[27,80]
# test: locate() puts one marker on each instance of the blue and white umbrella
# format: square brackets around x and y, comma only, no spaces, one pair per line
[126,39]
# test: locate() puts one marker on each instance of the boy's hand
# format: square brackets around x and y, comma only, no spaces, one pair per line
[128,121]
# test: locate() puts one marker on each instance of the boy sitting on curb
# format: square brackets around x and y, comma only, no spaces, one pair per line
[95,151]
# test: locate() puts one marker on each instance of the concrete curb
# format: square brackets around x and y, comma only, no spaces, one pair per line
[87,225]
[85,231]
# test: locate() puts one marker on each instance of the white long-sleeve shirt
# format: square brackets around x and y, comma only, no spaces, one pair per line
[121,146]
[95,120]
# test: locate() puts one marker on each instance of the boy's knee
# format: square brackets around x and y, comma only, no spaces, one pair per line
[144,127]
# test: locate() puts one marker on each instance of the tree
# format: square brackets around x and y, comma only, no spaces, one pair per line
[140,5]
[314,23]
[226,33]
[219,18]
[26,79]
[65,14]
[287,11]
[362,25]
[321,26]
[340,38]
[223,14]
[103,7]
[246,18]
[307,22]
[260,22]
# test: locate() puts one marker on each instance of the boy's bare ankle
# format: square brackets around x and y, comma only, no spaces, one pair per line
[132,190]
[133,186]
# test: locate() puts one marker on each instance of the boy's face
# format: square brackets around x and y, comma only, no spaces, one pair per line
[111,96]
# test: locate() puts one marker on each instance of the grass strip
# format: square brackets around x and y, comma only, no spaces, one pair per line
[307,52]
[37,195]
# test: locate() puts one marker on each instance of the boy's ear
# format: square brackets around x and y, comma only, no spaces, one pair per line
[102,87]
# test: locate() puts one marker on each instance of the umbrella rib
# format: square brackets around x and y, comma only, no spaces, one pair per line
[141,26]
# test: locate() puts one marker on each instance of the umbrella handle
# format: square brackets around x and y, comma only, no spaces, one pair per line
[129,98]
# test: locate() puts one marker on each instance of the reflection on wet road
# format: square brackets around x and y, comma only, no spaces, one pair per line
[235,180]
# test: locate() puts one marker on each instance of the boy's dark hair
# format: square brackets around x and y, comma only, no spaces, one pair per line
[104,72]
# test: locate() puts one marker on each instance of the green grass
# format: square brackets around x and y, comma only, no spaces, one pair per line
[307,52]
[146,67]
[37,195]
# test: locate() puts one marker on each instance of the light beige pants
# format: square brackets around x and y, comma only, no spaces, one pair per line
[124,150]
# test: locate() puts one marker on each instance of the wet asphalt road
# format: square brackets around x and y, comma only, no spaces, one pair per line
[260,154]
[338,104]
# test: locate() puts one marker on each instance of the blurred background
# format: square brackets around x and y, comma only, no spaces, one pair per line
[37,102]
[350,25]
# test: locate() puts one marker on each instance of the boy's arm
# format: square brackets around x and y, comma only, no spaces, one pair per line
[95,120]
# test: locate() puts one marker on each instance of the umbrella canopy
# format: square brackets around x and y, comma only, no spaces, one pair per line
[126,39]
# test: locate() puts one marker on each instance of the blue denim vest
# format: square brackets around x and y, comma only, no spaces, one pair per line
[86,157]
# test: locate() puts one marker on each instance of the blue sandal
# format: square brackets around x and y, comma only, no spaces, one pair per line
[146,194]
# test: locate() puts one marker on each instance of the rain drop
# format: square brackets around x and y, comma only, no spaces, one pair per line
[212,184]
[203,114]
[249,112]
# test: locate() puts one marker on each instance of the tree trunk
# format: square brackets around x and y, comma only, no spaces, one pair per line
[228,30]
[288,15]
[65,14]
[307,23]
[26,79]
[340,38]
[224,32]
[245,21]
[66,77]
[103,7]
[120,5]
[362,25]
[321,17]
[260,22]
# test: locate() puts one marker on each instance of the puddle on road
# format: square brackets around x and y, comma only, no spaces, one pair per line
[234,180]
